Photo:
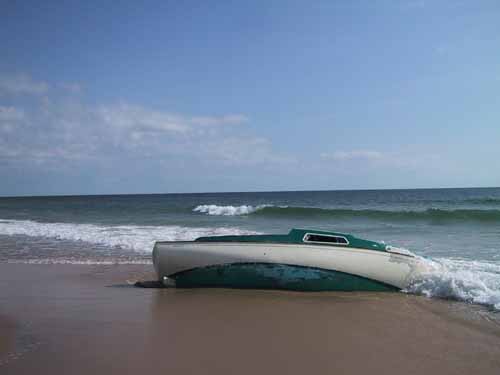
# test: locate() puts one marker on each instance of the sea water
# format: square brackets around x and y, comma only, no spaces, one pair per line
[455,231]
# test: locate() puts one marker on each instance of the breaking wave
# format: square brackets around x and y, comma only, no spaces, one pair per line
[463,280]
[213,209]
[131,237]
[431,214]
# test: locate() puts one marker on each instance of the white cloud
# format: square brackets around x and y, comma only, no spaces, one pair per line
[60,128]
[219,120]
[382,160]
[243,151]
[9,118]
[353,155]
[22,84]
[10,114]
[138,119]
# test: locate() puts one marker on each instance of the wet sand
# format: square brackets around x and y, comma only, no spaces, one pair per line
[7,336]
[88,319]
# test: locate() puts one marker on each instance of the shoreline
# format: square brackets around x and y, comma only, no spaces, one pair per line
[90,319]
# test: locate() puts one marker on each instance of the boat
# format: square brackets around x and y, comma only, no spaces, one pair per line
[302,260]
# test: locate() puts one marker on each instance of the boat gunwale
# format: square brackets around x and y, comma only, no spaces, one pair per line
[287,244]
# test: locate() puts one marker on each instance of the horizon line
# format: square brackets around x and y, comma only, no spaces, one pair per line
[239,192]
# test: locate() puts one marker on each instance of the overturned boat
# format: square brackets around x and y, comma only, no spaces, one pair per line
[304,260]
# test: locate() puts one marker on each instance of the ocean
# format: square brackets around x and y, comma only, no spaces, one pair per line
[455,231]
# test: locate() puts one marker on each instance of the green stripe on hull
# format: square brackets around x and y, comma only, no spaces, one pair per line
[276,276]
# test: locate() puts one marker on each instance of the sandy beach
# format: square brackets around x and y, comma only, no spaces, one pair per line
[339,153]
[80,319]
[7,338]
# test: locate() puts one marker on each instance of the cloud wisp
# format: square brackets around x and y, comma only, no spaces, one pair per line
[58,128]
[360,155]
[377,160]
[140,119]
[10,114]
[22,84]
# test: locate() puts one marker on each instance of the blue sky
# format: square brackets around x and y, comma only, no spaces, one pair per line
[141,97]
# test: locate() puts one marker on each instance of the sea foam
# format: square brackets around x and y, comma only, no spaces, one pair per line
[213,209]
[459,279]
[132,237]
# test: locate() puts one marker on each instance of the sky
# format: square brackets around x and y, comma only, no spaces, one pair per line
[105,97]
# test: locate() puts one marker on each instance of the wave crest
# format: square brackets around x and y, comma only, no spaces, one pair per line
[213,209]
[430,214]
[132,237]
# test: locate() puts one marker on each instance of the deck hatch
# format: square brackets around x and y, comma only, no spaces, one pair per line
[325,239]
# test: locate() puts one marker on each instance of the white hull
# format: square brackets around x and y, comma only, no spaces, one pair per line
[393,269]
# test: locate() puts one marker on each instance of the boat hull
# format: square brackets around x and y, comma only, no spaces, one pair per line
[275,276]
[281,266]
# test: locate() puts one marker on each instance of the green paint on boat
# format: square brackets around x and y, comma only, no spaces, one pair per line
[276,276]
[296,236]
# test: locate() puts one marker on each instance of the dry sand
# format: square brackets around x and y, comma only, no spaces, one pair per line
[88,319]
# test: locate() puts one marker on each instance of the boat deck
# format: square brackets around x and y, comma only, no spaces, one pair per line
[302,236]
